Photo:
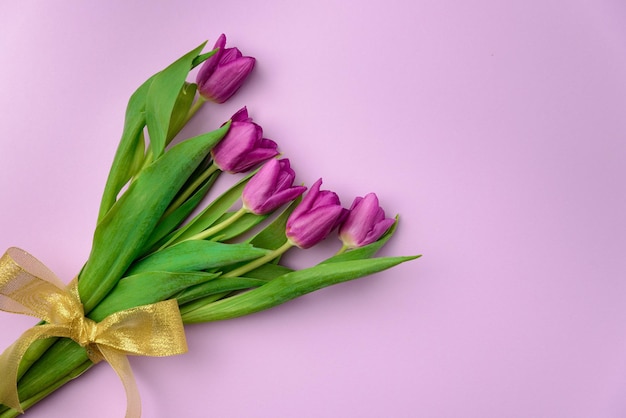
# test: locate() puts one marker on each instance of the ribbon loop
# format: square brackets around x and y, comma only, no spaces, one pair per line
[28,287]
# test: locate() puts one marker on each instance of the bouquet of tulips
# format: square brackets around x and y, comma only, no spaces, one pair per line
[159,260]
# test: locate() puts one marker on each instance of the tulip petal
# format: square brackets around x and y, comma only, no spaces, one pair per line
[230,54]
[266,192]
[365,222]
[209,65]
[244,145]
[241,115]
[377,231]
[312,227]
[315,217]
[227,79]
[306,203]
[278,199]
[223,73]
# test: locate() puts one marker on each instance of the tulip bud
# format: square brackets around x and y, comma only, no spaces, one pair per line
[243,147]
[365,222]
[315,217]
[271,188]
[223,73]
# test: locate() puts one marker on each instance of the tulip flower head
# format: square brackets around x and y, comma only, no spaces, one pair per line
[271,187]
[315,217]
[365,222]
[223,73]
[243,147]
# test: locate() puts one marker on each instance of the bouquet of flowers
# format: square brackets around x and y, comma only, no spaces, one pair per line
[161,258]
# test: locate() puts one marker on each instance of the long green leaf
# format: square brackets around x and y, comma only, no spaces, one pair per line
[196,255]
[287,287]
[181,110]
[122,165]
[63,357]
[162,96]
[146,288]
[123,232]
[203,57]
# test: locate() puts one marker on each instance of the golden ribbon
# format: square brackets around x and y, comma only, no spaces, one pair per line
[28,287]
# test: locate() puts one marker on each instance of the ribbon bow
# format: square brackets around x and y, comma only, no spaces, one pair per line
[30,288]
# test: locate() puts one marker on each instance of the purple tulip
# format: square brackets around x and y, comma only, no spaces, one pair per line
[223,73]
[243,147]
[271,187]
[365,222]
[315,217]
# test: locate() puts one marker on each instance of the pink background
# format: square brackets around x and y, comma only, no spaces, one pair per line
[495,129]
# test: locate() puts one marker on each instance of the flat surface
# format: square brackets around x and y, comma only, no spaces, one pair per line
[495,129]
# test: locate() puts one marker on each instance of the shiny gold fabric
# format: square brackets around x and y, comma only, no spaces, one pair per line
[28,287]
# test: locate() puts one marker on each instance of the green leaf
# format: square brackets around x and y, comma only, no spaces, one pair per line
[287,287]
[138,156]
[123,162]
[184,101]
[146,288]
[63,357]
[167,224]
[162,95]
[210,214]
[217,286]
[203,57]
[123,232]
[273,235]
[197,255]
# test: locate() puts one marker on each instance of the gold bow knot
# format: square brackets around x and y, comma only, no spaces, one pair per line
[84,331]
[28,287]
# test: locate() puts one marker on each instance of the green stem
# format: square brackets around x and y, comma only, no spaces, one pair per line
[343,249]
[260,261]
[146,161]
[194,108]
[191,189]
[220,226]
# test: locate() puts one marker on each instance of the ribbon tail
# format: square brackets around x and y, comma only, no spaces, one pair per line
[12,357]
[119,362]
[8,385]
